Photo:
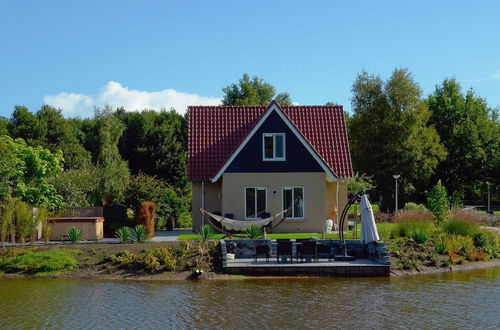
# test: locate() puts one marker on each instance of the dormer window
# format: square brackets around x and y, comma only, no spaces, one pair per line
[273,146]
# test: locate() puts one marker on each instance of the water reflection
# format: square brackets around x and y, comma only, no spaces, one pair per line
[466,300]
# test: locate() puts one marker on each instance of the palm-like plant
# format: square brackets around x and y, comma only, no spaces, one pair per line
[125,234]
[140,234]
[75,234]
[205,234]
[253,232]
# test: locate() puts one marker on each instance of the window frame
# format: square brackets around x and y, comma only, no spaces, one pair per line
[274,158]
[255,201]
[291,217]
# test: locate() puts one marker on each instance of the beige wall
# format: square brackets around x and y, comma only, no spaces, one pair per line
[332,211]
[233,185]
[212,200]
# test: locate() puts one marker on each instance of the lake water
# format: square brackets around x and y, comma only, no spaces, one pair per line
[451,300]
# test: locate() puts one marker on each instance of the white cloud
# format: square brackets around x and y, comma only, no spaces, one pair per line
[116,95]
[494,76]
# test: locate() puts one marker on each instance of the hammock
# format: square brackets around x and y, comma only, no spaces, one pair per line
[242,225]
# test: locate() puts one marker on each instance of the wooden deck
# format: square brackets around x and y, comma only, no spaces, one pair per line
[359,267]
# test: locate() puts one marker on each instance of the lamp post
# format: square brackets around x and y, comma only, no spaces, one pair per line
[489,200]
[396,176]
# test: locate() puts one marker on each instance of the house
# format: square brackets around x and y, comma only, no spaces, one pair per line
[246,162]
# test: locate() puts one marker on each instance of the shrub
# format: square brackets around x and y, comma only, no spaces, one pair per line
[410,206]
[125,235]
[253,232]
[75,234]
[488,242]
[164,256]
[41,263]
[413,215]
[460,227]
[206,233]
[460,245]
[151,263]
[125,259]
[140,234]
[438,203]
[185,220]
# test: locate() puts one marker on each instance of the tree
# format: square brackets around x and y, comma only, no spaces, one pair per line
[50,130]
[253,91]
[144,188]
[470,131]
[438,203]
[28,172]
[111,169]
[4,126]
[389,134]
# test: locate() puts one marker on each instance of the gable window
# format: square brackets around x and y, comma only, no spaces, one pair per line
[273,146]
[293,197]
[255,202]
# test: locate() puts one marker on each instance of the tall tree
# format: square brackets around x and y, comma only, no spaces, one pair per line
[470,131]
[253,91]
[112,170]
[4,126]
[389,134]
[49,129]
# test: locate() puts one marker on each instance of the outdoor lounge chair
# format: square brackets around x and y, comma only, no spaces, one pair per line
[260,248]
[308,248]
[284,249]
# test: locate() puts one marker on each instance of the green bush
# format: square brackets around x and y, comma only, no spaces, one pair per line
[489,242]
[140,234]
[253,232]
[410,206]
[185,220]
[460,227]
[170,206]
[125,259]
[75,234]
[165,258]
[125,235]
[41,263]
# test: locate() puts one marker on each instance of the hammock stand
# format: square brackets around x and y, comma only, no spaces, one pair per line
[209,217]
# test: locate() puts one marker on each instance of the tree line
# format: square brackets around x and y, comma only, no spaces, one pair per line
[129,157]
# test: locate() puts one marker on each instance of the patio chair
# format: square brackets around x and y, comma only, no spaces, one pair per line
[325,249]
[308,249]
[260,248]
[284,249]
[299,246]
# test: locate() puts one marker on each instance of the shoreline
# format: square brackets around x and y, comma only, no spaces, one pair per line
[211,276]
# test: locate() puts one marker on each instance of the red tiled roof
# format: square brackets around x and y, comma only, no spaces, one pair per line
[215,132]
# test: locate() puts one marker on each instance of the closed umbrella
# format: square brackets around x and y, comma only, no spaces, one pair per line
[368,228]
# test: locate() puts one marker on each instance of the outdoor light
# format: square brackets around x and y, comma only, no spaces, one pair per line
[396,176]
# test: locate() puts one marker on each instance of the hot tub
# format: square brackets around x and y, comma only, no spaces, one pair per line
[92,227]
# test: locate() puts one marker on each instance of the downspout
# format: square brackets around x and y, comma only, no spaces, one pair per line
[203,201]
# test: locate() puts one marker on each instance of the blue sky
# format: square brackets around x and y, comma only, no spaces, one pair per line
[77,54]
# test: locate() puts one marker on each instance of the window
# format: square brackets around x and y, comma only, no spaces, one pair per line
[255,202]
[293,197]
[273,146]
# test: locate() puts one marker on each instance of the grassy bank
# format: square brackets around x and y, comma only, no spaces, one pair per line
[168,260]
